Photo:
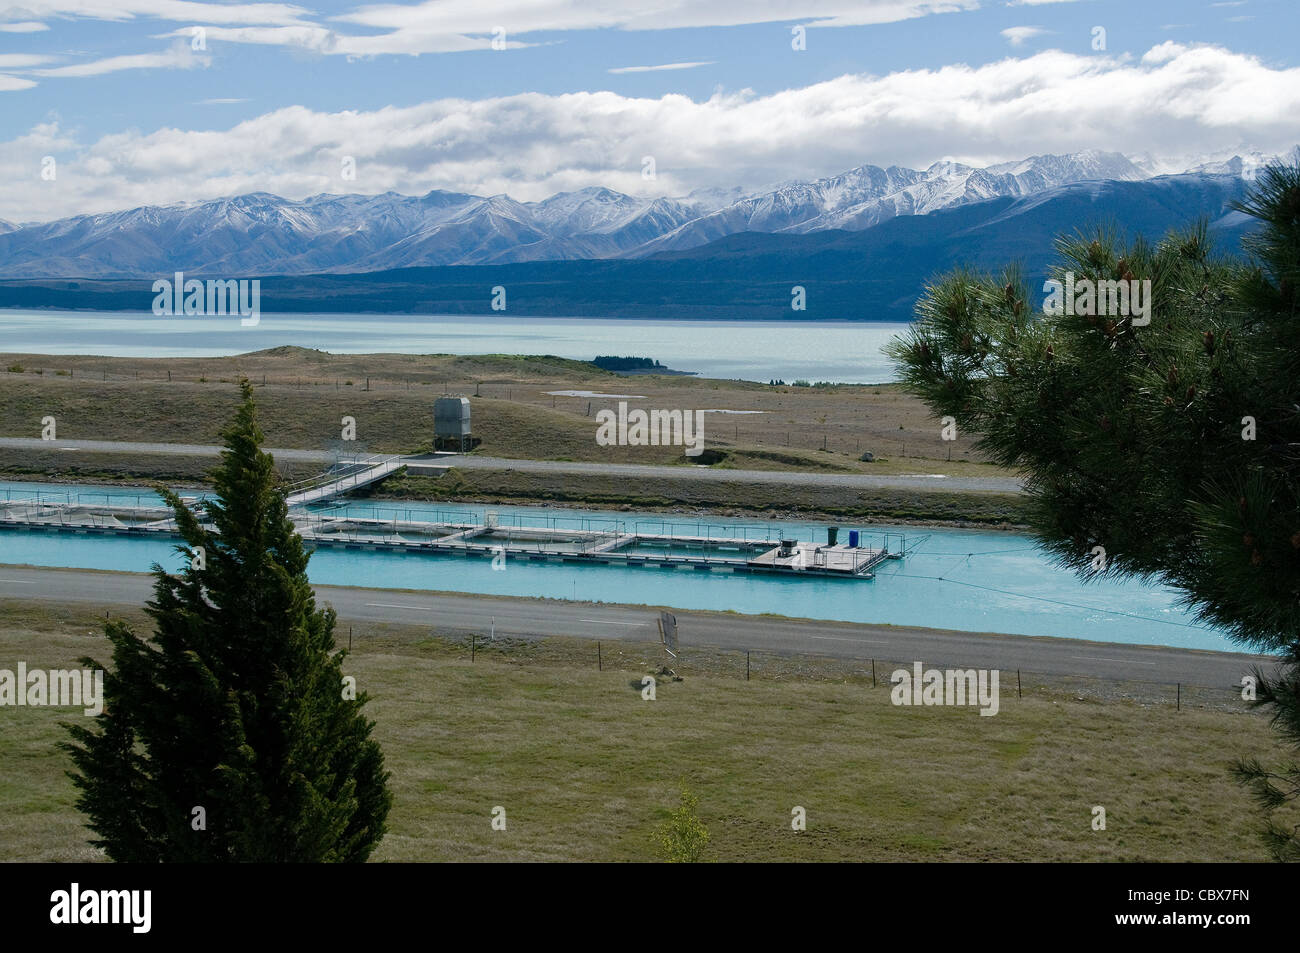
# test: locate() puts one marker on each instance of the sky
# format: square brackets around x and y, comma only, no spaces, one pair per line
[114,104]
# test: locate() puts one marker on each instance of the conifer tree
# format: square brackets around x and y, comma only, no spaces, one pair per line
[230,734]
[1173,446]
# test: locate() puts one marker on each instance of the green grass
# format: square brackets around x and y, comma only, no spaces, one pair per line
[586,769]
[739,499]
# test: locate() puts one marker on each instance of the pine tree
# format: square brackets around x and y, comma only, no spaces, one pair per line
[1173,446]
[237,705]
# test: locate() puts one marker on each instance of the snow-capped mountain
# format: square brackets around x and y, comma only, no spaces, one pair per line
[263,234]
[866,196]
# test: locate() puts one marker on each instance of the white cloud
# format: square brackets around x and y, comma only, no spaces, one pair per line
[21,60]
[13,83]
[179,56]
[183,11]
[657,69]
[525,16]
[318,39]
[1177,100]
[450,26]
[22,27]
[427,27]
[1016,35]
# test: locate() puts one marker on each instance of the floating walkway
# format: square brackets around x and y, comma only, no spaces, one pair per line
[735,550]
[738,552]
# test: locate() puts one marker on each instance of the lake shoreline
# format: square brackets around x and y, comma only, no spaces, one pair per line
[717,347]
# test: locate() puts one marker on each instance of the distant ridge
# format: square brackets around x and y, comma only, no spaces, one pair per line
[876,273]
[260,233]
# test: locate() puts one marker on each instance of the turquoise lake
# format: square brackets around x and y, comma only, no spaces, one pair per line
[837,351]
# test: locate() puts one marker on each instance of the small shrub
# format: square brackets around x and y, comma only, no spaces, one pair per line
[682,838]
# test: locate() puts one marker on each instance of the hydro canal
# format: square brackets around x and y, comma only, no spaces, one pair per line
[970,580]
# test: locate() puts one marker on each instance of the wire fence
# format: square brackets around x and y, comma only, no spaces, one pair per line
[875,674]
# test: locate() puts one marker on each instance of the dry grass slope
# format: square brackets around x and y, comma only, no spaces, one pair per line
[586,769]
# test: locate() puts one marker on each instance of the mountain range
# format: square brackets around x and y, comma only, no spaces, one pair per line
[263,234]
[873,272]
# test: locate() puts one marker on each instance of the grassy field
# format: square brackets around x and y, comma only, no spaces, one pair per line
[733,499]
[586,769]
[303,395]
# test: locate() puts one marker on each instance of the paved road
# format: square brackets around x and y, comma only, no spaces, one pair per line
[852,481]
[534,617]
[178,449]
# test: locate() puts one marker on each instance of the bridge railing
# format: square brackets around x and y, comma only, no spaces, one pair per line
[362,466]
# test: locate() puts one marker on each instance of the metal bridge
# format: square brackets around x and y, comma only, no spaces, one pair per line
[341,478]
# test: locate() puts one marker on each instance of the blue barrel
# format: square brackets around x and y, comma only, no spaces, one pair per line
[853,539]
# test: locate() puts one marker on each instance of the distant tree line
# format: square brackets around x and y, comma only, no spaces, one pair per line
[610,363]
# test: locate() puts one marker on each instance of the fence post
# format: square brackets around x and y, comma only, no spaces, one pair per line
[471,646]
[600,664]
[1180,696]
[349,638]
[1019,694]
[746,664]
[873,673]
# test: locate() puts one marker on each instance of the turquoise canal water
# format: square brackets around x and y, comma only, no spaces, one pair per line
[839,351]
[979,581]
